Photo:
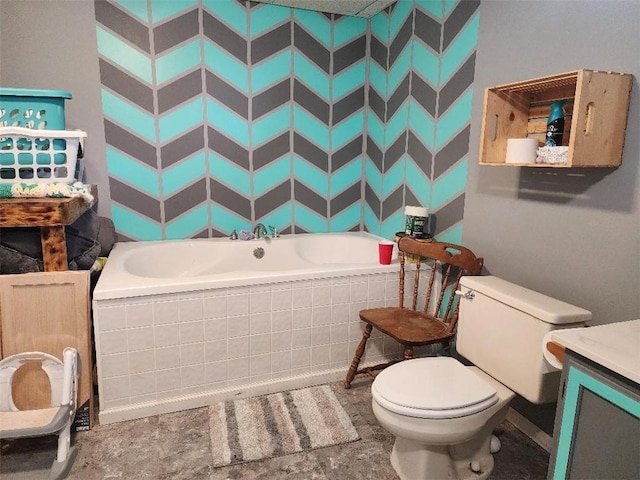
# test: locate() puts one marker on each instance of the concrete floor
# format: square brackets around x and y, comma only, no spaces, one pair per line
[176,446]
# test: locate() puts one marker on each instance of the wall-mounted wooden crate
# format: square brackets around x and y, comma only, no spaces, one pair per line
[595,117]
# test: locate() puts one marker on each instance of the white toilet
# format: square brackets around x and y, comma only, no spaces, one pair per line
[442,412]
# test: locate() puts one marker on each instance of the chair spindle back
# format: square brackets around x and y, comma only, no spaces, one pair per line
[453,260]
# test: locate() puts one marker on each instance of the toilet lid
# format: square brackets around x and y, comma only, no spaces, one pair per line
[435,387]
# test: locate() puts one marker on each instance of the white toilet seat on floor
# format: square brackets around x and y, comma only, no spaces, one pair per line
[434,387]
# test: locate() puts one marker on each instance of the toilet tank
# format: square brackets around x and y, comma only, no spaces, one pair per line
[501,327]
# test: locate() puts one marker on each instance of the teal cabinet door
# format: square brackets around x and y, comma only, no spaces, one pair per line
[597,424]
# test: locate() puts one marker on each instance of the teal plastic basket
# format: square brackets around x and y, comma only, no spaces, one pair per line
[35,109]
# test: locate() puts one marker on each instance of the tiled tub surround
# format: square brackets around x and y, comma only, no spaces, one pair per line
[168,351]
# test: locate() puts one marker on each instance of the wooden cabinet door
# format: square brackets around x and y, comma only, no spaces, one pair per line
[46,312]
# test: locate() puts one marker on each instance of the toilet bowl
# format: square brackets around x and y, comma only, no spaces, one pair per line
[442,412]
[441,432]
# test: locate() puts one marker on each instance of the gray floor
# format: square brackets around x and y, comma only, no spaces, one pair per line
[176,446]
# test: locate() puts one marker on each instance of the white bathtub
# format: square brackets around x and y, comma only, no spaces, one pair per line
[150,268]
[181,324]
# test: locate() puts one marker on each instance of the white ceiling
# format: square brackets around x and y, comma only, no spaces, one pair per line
[359,8]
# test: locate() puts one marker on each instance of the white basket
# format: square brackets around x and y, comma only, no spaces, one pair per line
[39,156]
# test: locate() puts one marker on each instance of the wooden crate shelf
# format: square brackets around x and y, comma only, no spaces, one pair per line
[595,117]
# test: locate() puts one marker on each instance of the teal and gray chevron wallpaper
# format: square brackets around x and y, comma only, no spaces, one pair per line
[223,113]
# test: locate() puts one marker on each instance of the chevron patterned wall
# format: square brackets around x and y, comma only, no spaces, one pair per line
[422,65]
[223,113]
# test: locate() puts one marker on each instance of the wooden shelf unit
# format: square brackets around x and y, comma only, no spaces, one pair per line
[51,215]
[595,117]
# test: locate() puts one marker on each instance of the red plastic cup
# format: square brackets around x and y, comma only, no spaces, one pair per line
[385,251]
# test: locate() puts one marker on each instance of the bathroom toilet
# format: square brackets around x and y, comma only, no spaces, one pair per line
[442,412]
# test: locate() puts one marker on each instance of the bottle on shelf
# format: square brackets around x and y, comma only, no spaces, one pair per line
[555,125]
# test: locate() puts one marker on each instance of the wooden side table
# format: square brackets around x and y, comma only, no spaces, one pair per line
[52,215]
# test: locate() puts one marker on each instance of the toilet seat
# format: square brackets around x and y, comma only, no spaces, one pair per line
[434,387]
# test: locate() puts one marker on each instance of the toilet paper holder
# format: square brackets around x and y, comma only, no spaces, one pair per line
[556,350]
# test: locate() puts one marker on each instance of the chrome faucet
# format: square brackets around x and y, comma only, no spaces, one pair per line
[260,231]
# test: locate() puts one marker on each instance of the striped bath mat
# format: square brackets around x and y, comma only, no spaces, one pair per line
[277,424]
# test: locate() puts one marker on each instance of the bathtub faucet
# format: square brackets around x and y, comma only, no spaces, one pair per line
[260,231]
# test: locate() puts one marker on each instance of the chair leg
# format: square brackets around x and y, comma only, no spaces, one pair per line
[408,353]
[446,347]
[353,369]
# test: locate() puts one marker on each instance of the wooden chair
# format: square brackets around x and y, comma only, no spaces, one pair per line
[435,322]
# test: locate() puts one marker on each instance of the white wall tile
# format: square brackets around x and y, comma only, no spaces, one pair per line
[301,358]
[238,368]
[378,303]
[111,318]
[215,351]
[321,315]
[320,355]
[166,312]
[215,329]
[281,320]
[238,347]
[356,330]
[168,380]
[260,365]
[260,288]
[114,388]
[215,307]
[339,294]
[113,342]
[301,338]
[281,362]
[230,337]
[301,297]
[320,335]
[238,304]
[358,292]
[301,318]
[281,341]
[238,326]
[192,375]
[259,302]
[301,284]
[340,313]
[260,323]
[142,361]
[167,358]
[376,291]
[191,354]
[115,365]
[140,338]
[139,315]
[166,335]
[191,310]
[260,344]
[143,384]
[339,333]
[191,332]
[215,372]
[281,299]
[354,310]
[321,295]
[340,354]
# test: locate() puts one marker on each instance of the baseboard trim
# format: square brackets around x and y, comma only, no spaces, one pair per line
[185,402]
[539,436]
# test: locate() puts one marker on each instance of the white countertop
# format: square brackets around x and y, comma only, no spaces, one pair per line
[615,346]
